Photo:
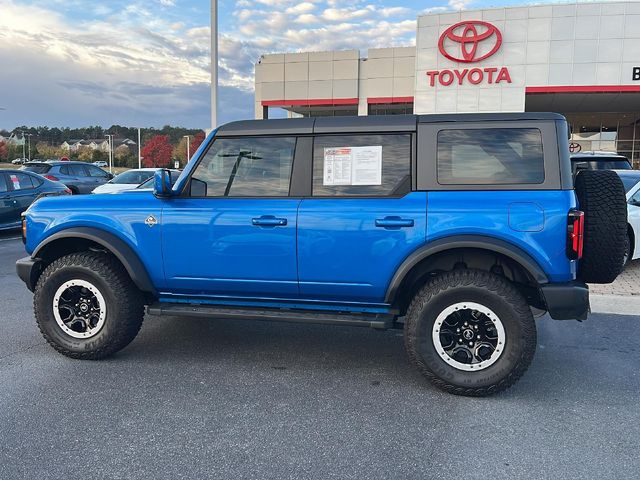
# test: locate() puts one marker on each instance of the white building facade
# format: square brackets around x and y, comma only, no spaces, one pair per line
[581,60]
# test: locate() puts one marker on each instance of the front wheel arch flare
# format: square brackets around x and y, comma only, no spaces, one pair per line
[46,250]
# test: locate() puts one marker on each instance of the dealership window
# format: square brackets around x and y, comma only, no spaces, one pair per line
[498,156]
[245,167]
[362,165]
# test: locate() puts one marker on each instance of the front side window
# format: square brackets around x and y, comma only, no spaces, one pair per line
[96,172]
[497,156]
[362,165]
[245,167]
[78,171]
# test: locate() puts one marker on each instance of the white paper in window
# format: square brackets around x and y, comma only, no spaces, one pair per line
[353,166]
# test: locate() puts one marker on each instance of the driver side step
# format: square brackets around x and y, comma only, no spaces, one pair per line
[377,321]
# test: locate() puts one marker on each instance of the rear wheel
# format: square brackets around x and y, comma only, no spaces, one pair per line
[86,306]
[470,333]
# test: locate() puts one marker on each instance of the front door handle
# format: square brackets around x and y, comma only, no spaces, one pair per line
[269,221]
[394,222]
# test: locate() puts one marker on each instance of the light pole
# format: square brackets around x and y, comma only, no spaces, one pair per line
[29,135]
[214,64]
[188,148]
[139,149]
[24,153]
[110,137]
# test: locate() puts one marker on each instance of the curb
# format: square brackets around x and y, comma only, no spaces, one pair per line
[615,304]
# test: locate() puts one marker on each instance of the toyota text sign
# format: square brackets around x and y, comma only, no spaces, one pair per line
[470,41]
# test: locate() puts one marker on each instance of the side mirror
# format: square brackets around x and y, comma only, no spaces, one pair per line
[110,176]
[162,183]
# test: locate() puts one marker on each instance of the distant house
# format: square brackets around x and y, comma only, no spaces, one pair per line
[97,144]
[13,139]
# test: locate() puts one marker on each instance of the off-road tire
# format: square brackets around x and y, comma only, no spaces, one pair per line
[601,197]
[486,289]
[125,304]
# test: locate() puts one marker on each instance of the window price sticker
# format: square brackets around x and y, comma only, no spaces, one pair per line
[352,166]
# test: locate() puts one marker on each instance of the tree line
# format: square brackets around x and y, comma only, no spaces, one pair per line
[160,147]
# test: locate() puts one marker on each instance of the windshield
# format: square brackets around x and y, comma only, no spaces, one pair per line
[37,168]
[133,177]
[629,182]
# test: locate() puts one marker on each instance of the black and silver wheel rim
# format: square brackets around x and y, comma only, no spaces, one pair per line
[79,309]
[469,336]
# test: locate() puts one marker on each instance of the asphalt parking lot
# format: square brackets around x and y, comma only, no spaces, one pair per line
[191,398]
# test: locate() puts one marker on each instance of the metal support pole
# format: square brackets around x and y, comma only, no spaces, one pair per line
[139,149]
[214,64]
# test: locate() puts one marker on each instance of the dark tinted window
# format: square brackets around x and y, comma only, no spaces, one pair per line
[366,165]
[64,170]
[38,168]
[499,156]
[601,164]
[21,181]
[3,183]
[245,167]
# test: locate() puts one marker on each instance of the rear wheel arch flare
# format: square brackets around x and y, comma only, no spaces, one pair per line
[418,263]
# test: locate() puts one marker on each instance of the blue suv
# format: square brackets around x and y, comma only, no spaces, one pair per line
[456,228]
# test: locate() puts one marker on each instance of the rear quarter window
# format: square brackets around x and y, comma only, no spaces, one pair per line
[500,156]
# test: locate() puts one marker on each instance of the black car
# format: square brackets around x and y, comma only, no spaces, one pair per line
[599,161]
[80,177]
[18,190]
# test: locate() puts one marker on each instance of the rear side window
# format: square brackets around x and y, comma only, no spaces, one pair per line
[78,171]
[245,167]
[500,156]
[21,181]
[362,165]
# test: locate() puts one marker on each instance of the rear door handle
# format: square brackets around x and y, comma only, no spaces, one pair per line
[394,222]
[269,221]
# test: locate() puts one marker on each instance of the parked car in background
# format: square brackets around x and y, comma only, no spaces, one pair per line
[101,163]
[18,190]
[128,180]
[148,184]
[631,182]
[599,161]
[19,161]
[80,177]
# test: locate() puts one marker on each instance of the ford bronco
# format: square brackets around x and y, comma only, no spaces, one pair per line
[460,229]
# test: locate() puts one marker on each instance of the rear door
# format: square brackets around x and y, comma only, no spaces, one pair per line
[6,202]
[233,234]
[23,192]
[362,220]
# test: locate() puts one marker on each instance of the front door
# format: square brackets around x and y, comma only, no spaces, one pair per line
[23,193]
[6,203]
[233,234]
[362,220]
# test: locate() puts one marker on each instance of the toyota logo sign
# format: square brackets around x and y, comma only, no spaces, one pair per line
[461,42]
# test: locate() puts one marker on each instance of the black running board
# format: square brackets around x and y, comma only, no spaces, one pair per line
[378,321]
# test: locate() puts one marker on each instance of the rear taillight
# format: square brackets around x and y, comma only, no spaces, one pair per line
[575,234]
[51,177]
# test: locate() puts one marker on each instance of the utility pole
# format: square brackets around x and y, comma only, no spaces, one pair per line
[110,137]
[188,137]
[24,153]
[139,148]
[29,135]
[214,64]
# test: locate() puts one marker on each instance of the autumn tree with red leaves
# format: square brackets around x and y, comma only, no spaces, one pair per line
[196,142]
[157,152]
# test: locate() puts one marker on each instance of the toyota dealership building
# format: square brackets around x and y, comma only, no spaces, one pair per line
[581,60]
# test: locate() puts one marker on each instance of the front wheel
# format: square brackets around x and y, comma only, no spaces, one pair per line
[470,332]
[86,305]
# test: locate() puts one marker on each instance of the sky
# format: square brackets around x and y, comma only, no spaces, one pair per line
[147,62]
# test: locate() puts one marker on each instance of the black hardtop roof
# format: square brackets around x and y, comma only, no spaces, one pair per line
[365,124]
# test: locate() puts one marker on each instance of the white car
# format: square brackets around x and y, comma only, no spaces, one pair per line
[128,180]
[631,181]
[101,164]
